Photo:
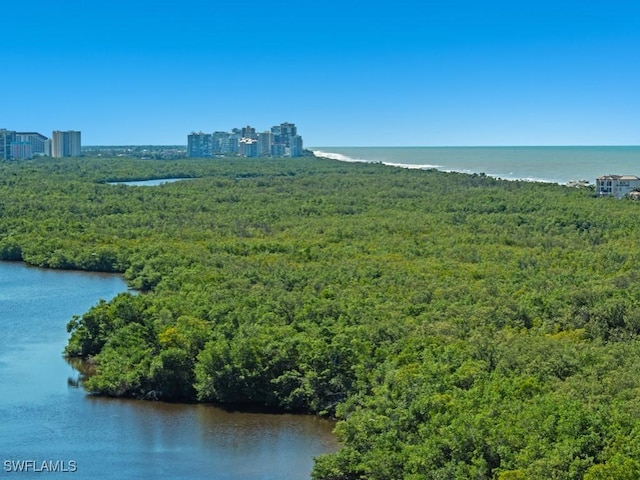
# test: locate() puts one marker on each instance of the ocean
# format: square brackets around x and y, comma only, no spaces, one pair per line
[539,164]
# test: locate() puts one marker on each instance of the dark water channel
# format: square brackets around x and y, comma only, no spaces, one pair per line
[45,419]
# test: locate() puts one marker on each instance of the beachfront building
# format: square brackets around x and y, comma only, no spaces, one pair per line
[66,144]
[282,140]
[617,185]
[249,132]
[286,141]
[248,147]
[199,144]
[223,143]
[295,146]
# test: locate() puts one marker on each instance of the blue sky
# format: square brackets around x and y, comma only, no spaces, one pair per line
[407,72]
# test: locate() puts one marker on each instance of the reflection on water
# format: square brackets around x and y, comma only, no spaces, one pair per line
[202,439]
[45,417]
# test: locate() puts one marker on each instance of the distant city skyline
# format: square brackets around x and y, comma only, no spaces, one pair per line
[431,73]
[15,145]
[279,141]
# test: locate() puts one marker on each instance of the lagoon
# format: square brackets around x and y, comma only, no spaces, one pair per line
[149,183]
[46,418]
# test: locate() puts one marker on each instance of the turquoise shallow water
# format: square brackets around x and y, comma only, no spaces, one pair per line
[544,164]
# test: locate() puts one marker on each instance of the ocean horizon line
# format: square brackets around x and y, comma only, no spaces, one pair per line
[473,146]
[169,145]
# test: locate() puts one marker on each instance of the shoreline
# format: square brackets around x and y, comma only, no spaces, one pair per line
[85,366]
[410,166]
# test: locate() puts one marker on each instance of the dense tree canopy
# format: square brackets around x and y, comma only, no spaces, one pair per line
[459,326]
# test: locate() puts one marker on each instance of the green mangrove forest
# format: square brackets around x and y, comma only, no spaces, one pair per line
[457,326]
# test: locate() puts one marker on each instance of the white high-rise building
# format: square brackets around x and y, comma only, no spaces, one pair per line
[66,144]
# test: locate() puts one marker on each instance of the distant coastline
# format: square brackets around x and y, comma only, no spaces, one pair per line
[561,165]
[344,158]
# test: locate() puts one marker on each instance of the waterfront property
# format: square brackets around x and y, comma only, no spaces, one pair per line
[281,141]
[617,185]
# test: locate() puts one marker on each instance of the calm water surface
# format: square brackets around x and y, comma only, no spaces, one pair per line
[149,183]
[44,418]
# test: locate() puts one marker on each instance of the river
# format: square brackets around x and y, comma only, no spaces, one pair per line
[49,424]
